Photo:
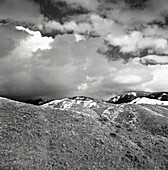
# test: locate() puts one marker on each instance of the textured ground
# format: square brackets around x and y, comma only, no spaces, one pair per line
[98,137]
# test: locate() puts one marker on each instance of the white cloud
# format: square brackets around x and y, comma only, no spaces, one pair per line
[154,59]
[136,42]
[32,43]
[90,23]
[127,79]
[159,81]
[69,65]
[49,26]
[21,28]
[58,71]
[82,87]
[79,37]
[71,68]
[103,26]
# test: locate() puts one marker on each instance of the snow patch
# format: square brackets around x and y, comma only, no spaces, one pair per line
[145,100]
[68,103]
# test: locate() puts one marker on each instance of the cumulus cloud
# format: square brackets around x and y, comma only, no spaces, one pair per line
[34,42]
[79,37]
[92,24]
[150,40]
[72,26]
[154,59]
[58,71]
[158,81]
[126,25]
[136,42]
[33,64]
[67,67]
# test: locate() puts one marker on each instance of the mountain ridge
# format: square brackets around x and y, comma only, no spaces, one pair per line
[130,96]
[126,97]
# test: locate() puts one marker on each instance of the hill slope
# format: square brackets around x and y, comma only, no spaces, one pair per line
[99,136]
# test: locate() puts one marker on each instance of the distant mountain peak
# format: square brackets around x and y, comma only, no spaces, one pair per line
[129,97]
[67,103]
[145,100]
[133,97]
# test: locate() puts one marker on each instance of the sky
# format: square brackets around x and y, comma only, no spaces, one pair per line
[96,48]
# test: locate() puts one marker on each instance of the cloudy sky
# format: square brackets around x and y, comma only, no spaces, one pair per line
[96,48]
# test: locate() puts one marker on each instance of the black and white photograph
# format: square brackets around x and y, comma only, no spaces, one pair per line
[83,84]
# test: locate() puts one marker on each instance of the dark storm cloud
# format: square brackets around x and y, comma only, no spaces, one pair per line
[59,10]
[139,4]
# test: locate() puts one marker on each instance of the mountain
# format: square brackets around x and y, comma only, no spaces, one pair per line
[118,99]
[83,101]
[83,133]
[145,100]
[130,96]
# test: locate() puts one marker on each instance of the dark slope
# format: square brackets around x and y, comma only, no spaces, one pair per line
[106,136]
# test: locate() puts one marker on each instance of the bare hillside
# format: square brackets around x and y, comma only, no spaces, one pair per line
[100,136]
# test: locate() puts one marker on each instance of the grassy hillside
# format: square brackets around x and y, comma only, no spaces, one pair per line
[103,137]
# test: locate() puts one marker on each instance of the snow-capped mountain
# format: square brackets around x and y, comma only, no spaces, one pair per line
[145,100]
[67,103]
[127,97]
[140,96]
[163,96]
[135,97]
